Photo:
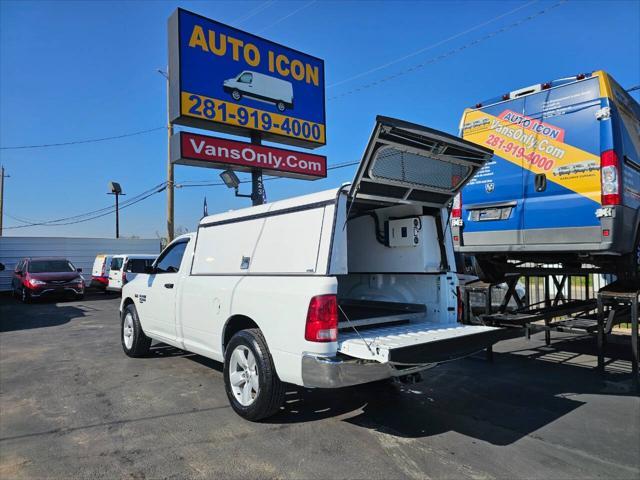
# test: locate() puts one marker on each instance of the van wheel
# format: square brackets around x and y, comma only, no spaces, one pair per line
[281,106]
[236,95]
[250,379]
[134,342]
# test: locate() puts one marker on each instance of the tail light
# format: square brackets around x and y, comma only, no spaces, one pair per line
[456,208]
[322,319]
[124,277]
[104,268]
[460,305]
[610,178]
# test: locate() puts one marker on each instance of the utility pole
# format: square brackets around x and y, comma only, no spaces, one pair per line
[1,196]
[170,180]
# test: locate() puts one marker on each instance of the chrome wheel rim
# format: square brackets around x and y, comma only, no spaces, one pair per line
[127,331]
[243,376]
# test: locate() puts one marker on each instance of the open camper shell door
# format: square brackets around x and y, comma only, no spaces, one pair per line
[408,163]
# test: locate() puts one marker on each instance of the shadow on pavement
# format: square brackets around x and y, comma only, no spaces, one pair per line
[499,402]
[39,316]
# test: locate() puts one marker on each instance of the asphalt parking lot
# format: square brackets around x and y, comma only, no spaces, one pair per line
[73,405]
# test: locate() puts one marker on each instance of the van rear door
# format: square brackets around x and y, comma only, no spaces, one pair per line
[493,203]
[405,163]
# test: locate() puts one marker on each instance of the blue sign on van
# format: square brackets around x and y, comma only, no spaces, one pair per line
[228,80]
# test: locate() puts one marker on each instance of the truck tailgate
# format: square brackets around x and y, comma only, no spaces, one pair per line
[417,343]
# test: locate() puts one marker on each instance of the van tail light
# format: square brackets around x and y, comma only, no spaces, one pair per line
[104,268]
[456,209]
[124,277]
[610,177]
[322,319]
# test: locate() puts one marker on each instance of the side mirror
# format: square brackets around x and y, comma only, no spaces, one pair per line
[1,267]
[78,270]
[150,269]
[18,272]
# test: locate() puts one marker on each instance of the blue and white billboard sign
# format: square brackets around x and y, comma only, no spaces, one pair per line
[224,79]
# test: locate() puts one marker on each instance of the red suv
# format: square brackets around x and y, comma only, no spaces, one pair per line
[45,276]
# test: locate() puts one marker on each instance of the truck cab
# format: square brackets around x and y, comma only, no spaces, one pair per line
[563,185]
[337,288]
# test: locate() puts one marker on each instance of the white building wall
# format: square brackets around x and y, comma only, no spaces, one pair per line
[80,251]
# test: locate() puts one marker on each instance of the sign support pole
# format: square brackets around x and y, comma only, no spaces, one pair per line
[170,180]
[257,186]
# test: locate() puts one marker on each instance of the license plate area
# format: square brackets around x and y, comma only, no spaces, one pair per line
[487,214]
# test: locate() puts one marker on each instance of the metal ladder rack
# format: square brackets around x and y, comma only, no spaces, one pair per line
[619,299]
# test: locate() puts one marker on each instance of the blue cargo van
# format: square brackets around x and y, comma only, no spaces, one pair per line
[564,182]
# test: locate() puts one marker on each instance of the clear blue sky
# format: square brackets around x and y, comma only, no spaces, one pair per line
[79,70]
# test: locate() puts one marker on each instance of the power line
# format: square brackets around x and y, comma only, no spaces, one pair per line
[429,47]
[94,213]
[450,53]
[253,12]
[291,14]
[91,140]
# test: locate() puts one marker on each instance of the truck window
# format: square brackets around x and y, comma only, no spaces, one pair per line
[245,78]
[170,260]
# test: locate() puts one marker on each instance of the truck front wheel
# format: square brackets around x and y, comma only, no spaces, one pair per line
[134,342]
[251,382]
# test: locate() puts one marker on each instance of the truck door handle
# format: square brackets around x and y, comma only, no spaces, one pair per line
[540,182]
[168,285]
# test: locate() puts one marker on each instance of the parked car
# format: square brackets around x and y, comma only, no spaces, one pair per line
[124,268]
[315,290]
[100,271]
[46,276]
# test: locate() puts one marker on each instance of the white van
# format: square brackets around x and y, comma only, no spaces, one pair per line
[100,271]
[336,288]
[261,87]
[124,268]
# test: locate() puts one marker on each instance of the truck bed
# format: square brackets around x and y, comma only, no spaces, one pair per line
[366,313]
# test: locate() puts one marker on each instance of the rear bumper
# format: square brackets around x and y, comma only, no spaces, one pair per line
[336,372]
[621,227]
[99,282]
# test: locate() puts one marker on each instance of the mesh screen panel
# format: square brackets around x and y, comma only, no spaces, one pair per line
[418,170]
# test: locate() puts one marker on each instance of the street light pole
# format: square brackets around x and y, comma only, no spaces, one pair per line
[117,216]
[116,190]
[1,197]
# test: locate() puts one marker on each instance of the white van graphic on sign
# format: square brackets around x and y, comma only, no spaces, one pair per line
[261,87]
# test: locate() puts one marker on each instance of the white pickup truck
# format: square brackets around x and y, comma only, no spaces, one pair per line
[337,288]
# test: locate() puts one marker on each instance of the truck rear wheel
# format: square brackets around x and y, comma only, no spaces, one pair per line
[134,342]
[250,379]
